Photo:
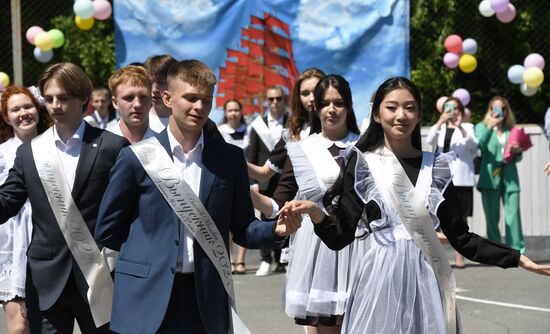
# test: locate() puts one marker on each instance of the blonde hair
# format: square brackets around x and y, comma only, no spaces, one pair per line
[509,120]
[70,78]
[134,75]
[194,72]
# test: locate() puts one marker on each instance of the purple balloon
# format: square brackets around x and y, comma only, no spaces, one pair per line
[499,5]
[534,60]
[451,59]
[463,95]
[507,15]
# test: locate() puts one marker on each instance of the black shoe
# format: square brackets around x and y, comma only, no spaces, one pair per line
[280,268]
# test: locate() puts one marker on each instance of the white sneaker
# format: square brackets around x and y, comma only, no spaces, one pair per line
[264,269]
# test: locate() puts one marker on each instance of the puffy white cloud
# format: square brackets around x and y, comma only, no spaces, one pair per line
[335,24]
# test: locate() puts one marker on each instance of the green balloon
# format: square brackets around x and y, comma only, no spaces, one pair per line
[57,37]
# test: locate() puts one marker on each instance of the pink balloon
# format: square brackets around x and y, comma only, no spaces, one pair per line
[463,95]
[451,59]
[32,32]
[499,5]
[439,103]
[453,43]
[534,60]
[467,115]
[508,15]
[102,9]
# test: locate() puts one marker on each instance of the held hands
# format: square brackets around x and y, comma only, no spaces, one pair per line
[289,221]
[529,265]
[308,207]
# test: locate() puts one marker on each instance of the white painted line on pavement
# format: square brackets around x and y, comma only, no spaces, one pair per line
[490,302]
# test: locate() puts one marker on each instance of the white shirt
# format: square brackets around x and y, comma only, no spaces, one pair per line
[189,166]
[115,128]
[275,126]
[158,124]
[69,152]
[97,121]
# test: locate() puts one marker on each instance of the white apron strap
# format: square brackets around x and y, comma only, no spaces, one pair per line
[73,227]
[192,214]
[263,132]
[410,203]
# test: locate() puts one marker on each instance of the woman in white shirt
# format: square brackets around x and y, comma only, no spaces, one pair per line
[23,119]
[448,134]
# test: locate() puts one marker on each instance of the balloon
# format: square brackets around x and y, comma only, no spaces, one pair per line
[467,115]
[84,9]
[439,103]
[83,24]
[102,9]
[534,60]
[453,43]
[527,91]
[57,37]
[485,8]
[43,41]
[533,77]
[499,5]
[32,32]
[508,15]
[469,46]
[463,95]
[451,59]
[467,63]
[43,56]
[4,79]
[515,74]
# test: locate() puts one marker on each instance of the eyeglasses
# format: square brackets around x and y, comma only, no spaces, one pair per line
[273,99]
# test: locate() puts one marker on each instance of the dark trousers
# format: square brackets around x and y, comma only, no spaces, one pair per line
[182,314]
[61,316]
[266,255]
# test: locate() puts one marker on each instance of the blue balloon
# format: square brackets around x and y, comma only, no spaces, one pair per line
[515,74]
[43,56]
[469,46]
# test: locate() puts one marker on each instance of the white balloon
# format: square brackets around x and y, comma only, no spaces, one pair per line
[43,56]
[526,90]
[485,8]
[469,46]
[515,74]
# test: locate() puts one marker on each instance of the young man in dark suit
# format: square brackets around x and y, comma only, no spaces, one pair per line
[63,173]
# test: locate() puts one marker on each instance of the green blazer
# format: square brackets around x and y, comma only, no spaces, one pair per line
[491,158]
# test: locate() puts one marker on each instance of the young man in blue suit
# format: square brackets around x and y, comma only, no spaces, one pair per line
[172,278]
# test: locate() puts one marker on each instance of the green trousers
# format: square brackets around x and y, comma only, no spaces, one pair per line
[512,218]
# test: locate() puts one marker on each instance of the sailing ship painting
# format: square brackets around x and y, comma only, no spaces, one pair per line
[264,60]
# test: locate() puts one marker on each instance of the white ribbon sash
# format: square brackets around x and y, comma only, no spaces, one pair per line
[73,227]
[410,203]
[263,132]
[192,214]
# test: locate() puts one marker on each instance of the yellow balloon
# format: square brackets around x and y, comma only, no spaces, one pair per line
[467,63]
[533,77]
[84,24]
[43,41]
[4,79]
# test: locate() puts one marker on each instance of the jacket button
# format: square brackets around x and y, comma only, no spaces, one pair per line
[177,242]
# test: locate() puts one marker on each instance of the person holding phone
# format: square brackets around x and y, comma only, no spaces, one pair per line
[496,179]
[450,134]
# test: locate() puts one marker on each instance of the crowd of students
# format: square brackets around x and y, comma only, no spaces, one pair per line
[130,229]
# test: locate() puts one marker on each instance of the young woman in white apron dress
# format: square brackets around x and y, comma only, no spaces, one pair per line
[404,283]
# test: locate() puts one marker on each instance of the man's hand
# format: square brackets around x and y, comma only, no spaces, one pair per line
[289,222]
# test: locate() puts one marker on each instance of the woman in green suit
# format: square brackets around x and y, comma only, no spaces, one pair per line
[496,179]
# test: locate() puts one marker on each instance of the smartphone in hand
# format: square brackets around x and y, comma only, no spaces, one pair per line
[497,112]
[449,107]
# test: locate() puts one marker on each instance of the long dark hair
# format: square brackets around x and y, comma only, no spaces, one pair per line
[373,138]
[342,87]
[300,115]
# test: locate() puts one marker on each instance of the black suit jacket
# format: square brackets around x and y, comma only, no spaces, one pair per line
[49,260]
[257,154]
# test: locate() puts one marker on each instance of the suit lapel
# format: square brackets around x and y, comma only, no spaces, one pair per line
[88,153]
[207,177]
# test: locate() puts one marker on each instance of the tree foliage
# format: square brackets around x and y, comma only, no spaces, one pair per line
[500,46]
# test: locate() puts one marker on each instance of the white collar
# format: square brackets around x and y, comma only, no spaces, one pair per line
[227,129]
[176,146]
[77,135]
[342,143]
[271,119]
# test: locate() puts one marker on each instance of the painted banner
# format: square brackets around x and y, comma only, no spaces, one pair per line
[254,44]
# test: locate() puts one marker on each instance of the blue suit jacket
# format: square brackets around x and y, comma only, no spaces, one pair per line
[135,219]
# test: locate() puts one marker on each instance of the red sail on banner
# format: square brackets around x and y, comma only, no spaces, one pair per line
[275,40]
[256,34]
[257,21]
[275,79]
[272,21]
[244,32]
